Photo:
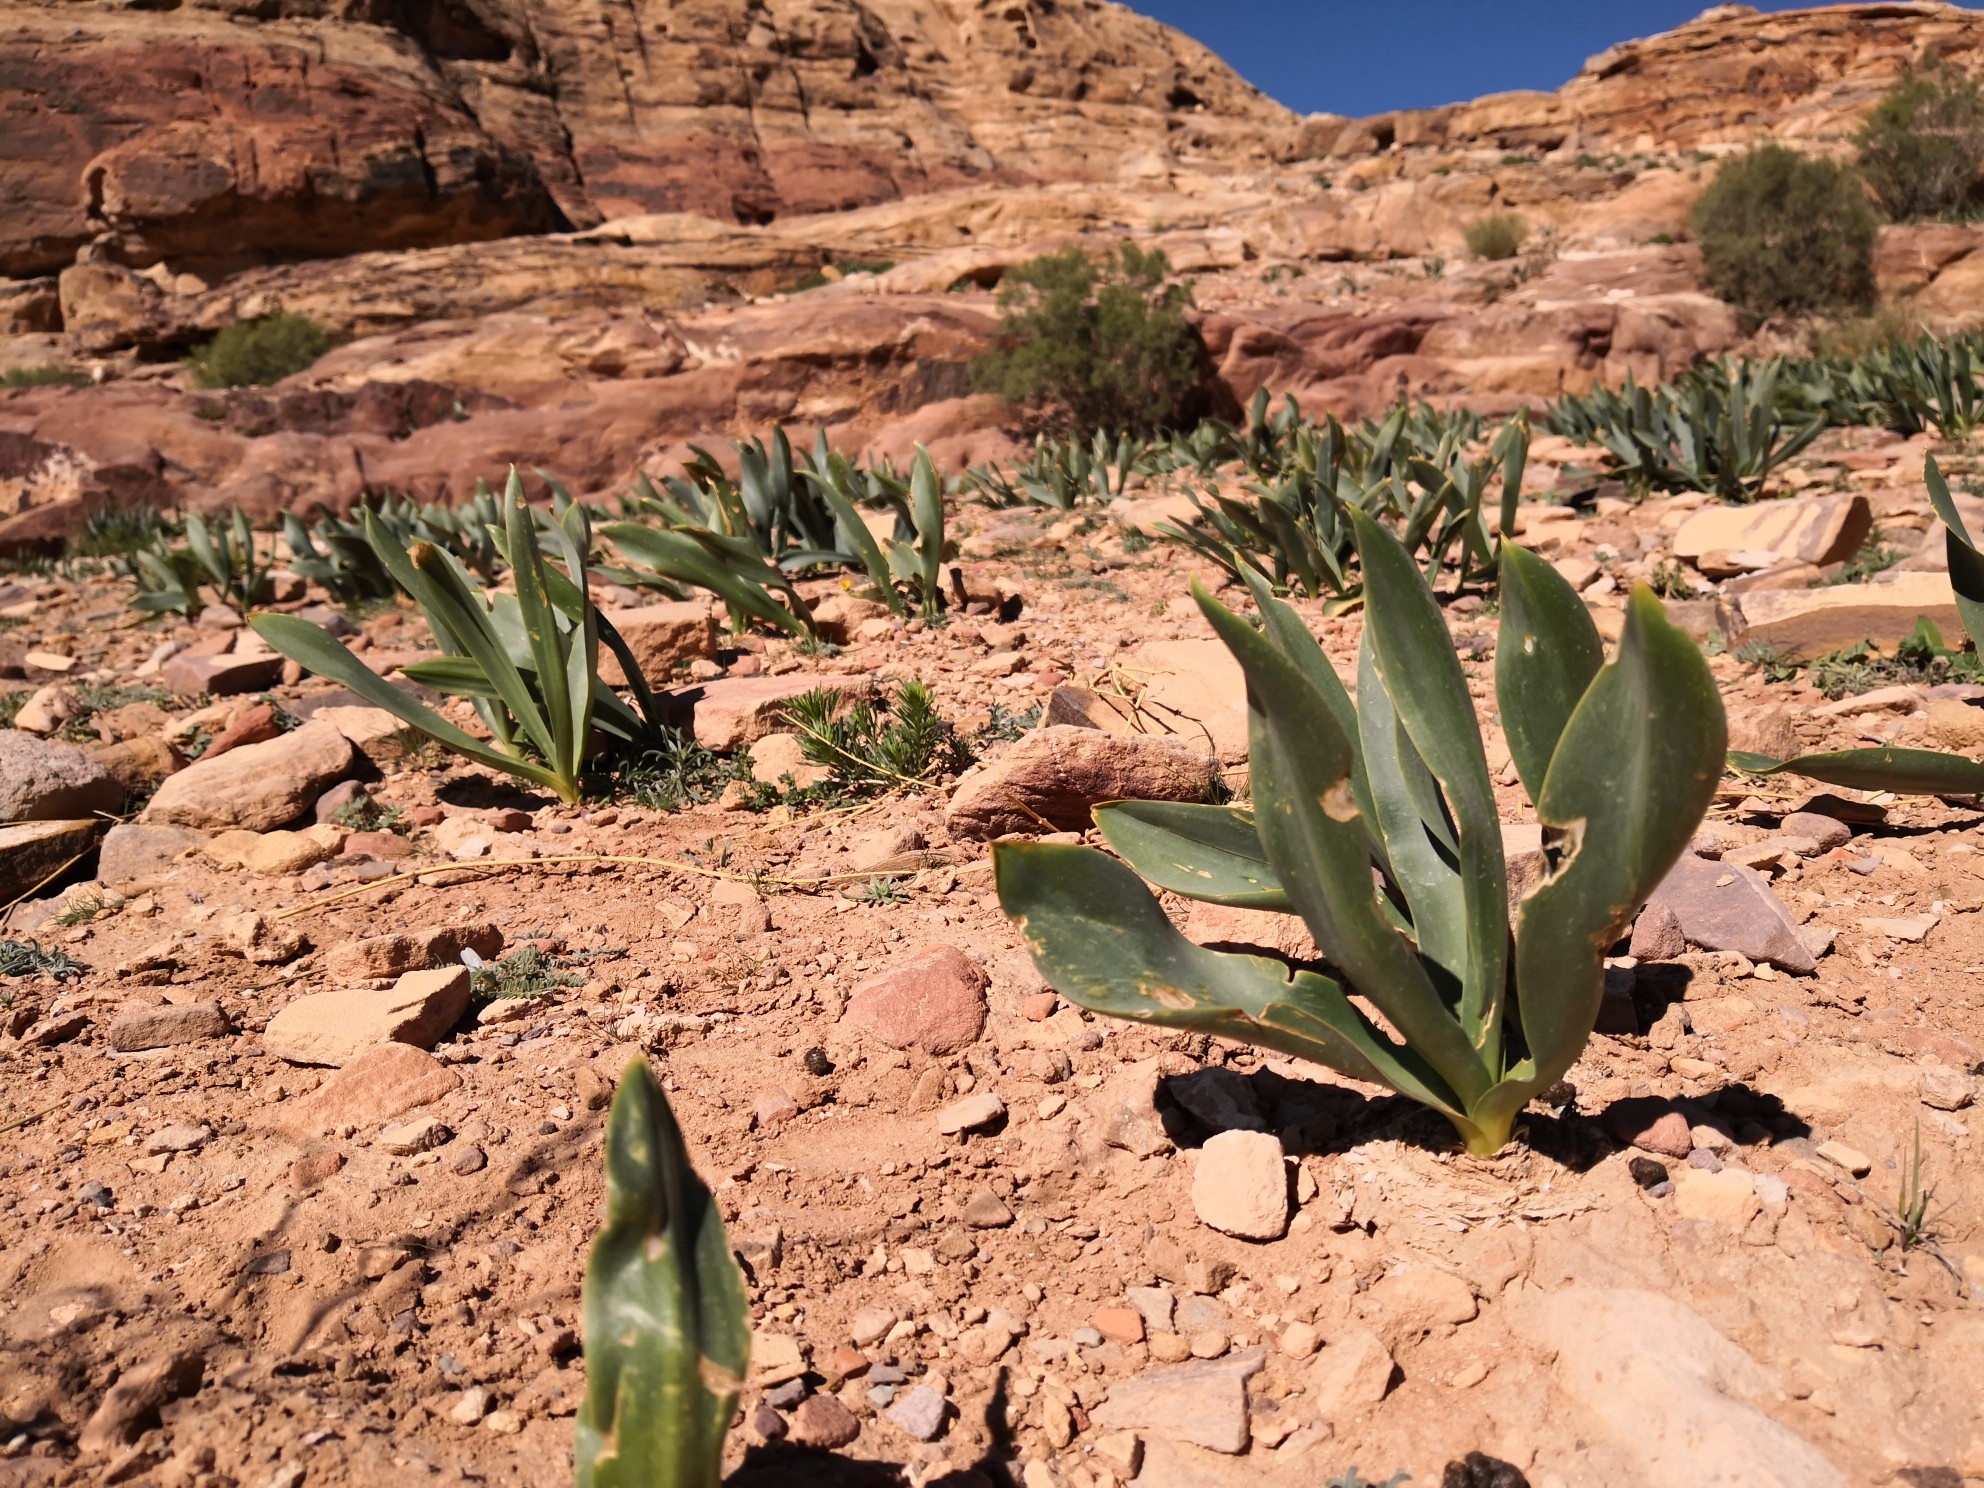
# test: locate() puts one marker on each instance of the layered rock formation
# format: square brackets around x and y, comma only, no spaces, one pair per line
[1728,77]
[262,130]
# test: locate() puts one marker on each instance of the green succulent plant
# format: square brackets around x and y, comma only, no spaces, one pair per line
[218,553]
[667,1333]
[528,660]
[1376,824]
[1922,772]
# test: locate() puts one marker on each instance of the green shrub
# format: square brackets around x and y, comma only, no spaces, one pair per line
[1921,147]
[1781,233]
[1094,344]
[1497,236]
[255,353]
[44,376]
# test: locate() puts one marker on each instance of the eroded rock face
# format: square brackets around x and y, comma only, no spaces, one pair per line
[195,136]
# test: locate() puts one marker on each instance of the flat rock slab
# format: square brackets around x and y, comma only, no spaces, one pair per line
[1804,623]
[276,854]
[1204,1404]
[1053,778]
[1671,1393]
[136,856]
[48,780]
[1814,529]
[227,675]
[660,636]
[385,1081]
[411,950]
[336,1027]
[32,851]
[167,1025]
[258,787]
[731,712]
[1727,907]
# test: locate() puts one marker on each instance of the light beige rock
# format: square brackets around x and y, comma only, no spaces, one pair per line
[1804,623]
[275,854]
[1353,1371]
[777,755]
[1728,1198]
[373,732]
[33,851]
[1240,1186]
[422,1134]
[412,950]
[1813,529]
[336,1027]
[257,787]
[661,636]
[1956,726]
[1671,1393]
[1193,689]
[1052,778]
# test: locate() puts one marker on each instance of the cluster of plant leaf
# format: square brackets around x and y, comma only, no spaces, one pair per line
[222,555]
[747,541]
[1722,427]
[1377,825]
[527,658]
[21,958]
[337,554]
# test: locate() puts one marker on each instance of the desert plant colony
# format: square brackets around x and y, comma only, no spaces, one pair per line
[1227,940]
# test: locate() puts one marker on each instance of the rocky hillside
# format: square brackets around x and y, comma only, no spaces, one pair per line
[538,244]
[245,131]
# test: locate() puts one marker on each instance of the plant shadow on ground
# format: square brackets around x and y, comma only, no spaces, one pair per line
[480,793]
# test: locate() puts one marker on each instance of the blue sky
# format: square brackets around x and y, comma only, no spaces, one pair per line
[1357,57]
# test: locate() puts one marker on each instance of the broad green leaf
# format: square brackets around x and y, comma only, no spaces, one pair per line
[1298,645]
[1202,852]
[562,744]
[667,1326]
[1316,837]
[852,529]
[680,557]
[1421,854]
[317,650]
[1966,564]
[1922,772]
[1422,675]
[1635,769]
[926,505]
[1547,651]
[1100,938]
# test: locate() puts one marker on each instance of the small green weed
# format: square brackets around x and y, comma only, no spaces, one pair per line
[1912,1216]
[1873,556]
[531,971]
[83,910]
[902,743]
[1136,542]
[1003,725]
[19,958]
[1670,581]
[367,815]
[117,531]
[679,773]
[1921,660]
[879,890]
[11,704]
[1766,658]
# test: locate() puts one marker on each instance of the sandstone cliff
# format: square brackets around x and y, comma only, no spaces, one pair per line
[246,131]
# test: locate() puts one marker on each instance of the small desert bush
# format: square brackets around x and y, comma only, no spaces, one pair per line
[1497,236]
[255,353]
[1088,344]
[1921,147]
[1782,234]
[44,376]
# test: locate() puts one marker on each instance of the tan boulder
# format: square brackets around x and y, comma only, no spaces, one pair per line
[1813,529]
[32,852]
[335,1027]
[660,636]
[1051,779]
[1804,623]
[275,854]
[257,787]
